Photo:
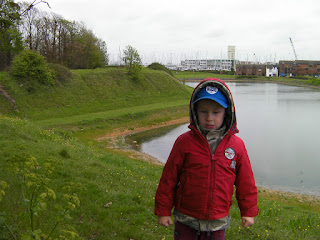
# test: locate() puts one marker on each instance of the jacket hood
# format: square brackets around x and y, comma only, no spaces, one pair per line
[230,116]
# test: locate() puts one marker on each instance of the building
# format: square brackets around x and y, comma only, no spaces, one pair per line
[272,71]
[252,69]
[232,52]
[232,55]
[210,64]
[213,64]
[299,68]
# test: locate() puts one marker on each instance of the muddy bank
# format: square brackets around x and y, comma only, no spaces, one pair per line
[116,140]
[126,131]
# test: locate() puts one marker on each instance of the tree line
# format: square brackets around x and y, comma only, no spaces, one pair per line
[69,43]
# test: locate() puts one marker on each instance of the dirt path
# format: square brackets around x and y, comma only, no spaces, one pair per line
[4,92]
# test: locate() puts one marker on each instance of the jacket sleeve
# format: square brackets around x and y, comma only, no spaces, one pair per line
[246,190]
[164,199]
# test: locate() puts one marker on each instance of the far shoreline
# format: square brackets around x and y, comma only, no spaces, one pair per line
[256,80]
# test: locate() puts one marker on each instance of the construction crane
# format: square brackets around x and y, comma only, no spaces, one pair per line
[294,51]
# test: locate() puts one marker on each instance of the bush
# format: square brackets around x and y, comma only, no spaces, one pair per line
[158,66]
[31,69]
[135,73]
[60,73]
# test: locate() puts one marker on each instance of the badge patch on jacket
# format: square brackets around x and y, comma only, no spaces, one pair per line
[233,164]
[229,153]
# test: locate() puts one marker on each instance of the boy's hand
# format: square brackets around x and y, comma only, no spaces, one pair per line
[165,221]
[247,221]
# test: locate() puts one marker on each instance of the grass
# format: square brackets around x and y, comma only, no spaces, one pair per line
[92,91]
[100,178]
[116,192]
[185,75]
[86,119]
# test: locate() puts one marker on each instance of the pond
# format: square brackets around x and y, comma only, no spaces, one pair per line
[279,125]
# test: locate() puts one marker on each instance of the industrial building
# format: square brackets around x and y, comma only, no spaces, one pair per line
[212,64]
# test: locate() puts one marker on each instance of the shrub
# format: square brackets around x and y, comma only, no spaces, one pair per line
[158,66]
[60,73]
[31,69]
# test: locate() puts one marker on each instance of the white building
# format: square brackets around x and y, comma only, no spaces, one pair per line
[213,64]
[232,55]
[272,71]
[210,64]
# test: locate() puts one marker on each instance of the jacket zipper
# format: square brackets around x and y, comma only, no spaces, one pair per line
[211,182]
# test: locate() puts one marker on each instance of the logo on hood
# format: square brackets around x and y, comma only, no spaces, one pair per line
[211,90]
[229,153]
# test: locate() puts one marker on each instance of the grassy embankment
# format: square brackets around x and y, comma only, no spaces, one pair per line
[115,192]
[98,99]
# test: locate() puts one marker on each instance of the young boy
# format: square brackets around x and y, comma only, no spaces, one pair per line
[204,165]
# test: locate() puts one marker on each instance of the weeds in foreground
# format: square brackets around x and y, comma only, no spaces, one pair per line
[34,196]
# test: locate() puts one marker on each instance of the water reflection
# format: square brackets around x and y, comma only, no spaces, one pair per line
[279,125]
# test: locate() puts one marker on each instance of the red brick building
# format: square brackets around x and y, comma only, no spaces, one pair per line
[253,69]
[299,68]
[285,68]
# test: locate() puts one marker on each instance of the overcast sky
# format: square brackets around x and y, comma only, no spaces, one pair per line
[174,30]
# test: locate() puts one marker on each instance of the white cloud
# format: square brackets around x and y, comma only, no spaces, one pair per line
[180,28]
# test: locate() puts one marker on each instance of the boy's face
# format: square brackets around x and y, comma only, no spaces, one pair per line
[210,114]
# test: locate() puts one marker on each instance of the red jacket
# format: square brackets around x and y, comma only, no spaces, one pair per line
[200,184]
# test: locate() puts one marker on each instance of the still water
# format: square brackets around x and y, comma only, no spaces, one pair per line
[280,127]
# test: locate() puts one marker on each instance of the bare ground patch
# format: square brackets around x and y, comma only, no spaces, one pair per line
[115,140]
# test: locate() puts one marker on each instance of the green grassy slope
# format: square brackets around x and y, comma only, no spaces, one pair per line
[92,91]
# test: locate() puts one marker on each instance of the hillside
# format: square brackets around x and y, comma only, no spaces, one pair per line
[49,175]
[91,192]
[91,91]
[54,186]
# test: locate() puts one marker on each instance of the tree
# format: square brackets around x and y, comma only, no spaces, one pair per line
[64,42]
[93,50]
[10,37]
[28,20]
[133,62]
